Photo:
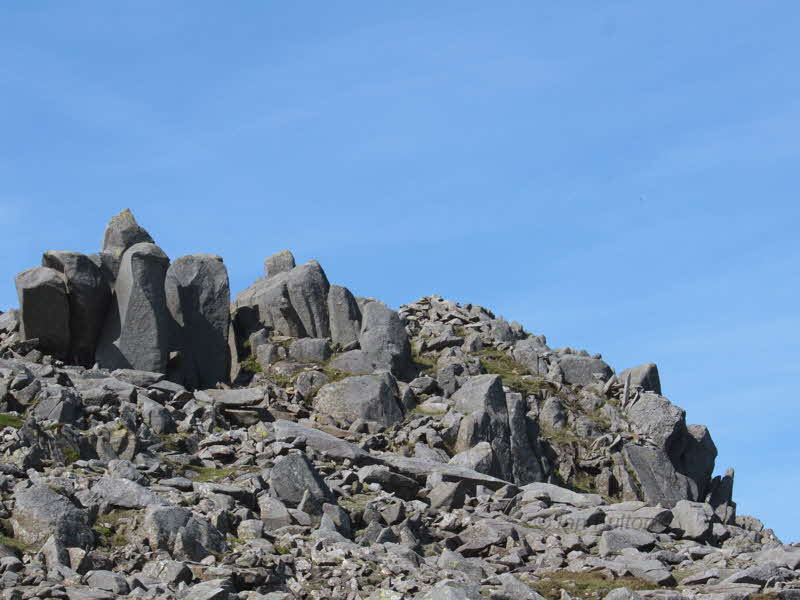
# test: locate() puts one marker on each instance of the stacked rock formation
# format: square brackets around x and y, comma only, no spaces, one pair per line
[161,441]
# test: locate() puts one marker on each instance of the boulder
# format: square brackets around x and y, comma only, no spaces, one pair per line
[479,458]
[308,292]
[345,317]
[266,304]
[644,376]
[698,458]
[136,332]
[89,298]
[40,511]
[198,299]
[484,393]
[660,483]
[373,398]
[356,362]
[322,442]
[694,519]
[121,233]
[310,350]
[525,448]
[616,540]
[292,477]
[581,370]
[280,262]
[384,340]
[44,309]
[660,421]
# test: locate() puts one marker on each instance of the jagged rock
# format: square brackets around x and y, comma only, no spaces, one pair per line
[310,350]
[308,292]
[581,370]
[123,493]
[525,448]
[345,317]
[122,232]
[280,262]
[373,398]
[661,421]
[58,404]
[512,588]
[660,482]
[40,512]
[694,519]
[44,309]
[479,457]
[616,540]
[698,458]
[384,340]
[198,298]
[644,376]
[89,298]
[268,306]
[484,393]
[293,476]
[136,333]
[322,442]
[554,493]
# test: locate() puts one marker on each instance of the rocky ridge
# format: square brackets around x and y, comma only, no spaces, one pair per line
[163,440]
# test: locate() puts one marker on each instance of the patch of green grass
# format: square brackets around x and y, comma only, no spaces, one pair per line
[251,365]
[70,455]
[14,543]
[109,528]
[211,475]
[559,436]
[283,549]
[425,364]
[514,375]
[173,442]
[14,421]
[585,585]
[334,374]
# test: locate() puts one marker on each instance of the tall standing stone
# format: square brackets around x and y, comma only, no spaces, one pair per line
[44,309]
[281,262]
[483,396]
[266,304]
[136,333]
[384,339]
[89,298]
[345,317]
[308,292]
[198,297]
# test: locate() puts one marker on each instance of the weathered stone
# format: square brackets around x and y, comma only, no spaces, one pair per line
[485,393]
[310,350]
[308,292]
[44,309]
[293,476]
[40,512]
[616,540]
[121,233]
[369,397]
[581,370]
[198,297]
[694,519]
[659,481]
[280,262]
[345,317]
[644,376]
[89,298]
[384,340]
[136,333]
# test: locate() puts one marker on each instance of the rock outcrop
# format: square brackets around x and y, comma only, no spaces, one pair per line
[303,442]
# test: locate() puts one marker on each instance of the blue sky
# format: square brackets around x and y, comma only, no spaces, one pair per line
[622,178]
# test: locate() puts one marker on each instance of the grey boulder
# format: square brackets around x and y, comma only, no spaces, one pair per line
[644,376]
[136,333]
[44,309]
[578,369]
[308,292]
[280,262]
[384,340]
[293,477]
[121,233]
[198,298]
[373,398]
[345,317]
[89,299]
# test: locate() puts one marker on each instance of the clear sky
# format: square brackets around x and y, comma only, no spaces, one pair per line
[622,178]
